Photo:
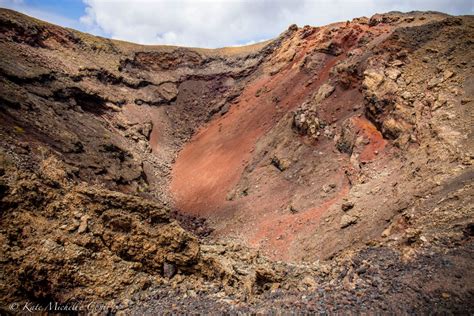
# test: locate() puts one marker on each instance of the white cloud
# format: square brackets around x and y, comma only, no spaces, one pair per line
[215,23]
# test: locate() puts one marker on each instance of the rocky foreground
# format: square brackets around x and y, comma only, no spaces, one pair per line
[327,170]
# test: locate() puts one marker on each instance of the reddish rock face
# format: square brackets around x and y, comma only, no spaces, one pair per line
[346,85]
[348,143]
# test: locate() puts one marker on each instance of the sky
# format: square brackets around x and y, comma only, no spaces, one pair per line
[212,23]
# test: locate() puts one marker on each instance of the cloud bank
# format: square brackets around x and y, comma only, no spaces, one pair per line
[216,23]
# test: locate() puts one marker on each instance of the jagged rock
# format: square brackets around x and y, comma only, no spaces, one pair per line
[383,18]
[280,163]
[323,92]
[448,74]
[348,220]
[168,91]
[305,119]
[345,139]
[143,145]
[116,226]
[309,282]
[386,232]
[362,20]
[293,209]
[83,226]
[169,270]
[331,48]
[347,206]
[397,63]
[373,79]
[307,123]
[329,187]
[407,95]
[231,195]
[146,129]
[393,73]
[393,128]
[434,82]
[293,28]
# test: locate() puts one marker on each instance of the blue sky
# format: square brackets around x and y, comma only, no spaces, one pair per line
[212,23]
[71,9]
[65,13]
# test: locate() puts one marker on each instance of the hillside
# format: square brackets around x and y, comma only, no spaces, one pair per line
[327,170]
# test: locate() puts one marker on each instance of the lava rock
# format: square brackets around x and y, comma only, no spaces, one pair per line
[348,220]
[347,206]
[169,270]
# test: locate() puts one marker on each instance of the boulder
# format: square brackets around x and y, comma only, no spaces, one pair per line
[168,91]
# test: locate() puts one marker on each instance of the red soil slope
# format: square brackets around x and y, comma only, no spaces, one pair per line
[212,163]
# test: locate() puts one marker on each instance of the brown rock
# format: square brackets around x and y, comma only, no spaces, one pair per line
[324,91]
[83,226]
[373,79]
[348,220]
[280,163]
[169,270]
[347,206]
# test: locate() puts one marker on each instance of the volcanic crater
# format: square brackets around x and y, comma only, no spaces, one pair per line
[327,170]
